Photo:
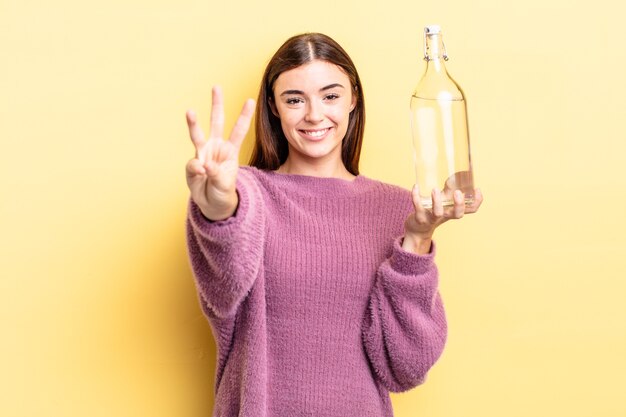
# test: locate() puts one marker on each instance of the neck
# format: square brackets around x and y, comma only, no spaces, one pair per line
[315,167]
[435,55]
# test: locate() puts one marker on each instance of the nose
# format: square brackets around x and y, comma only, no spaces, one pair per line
[314,112]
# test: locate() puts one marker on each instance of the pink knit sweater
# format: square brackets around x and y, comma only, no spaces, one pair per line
[316,309]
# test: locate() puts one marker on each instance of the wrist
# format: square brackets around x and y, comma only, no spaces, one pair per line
[222,211]
[417,244]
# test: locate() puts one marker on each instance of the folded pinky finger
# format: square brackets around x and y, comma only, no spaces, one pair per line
[478,199]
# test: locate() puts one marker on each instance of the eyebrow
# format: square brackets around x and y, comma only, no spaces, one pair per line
[328,87]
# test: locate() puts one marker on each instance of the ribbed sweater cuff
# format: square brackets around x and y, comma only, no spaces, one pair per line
[222,229]
[409,263]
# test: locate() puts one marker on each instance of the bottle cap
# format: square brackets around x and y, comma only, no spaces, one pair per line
[429,31]
[432,29]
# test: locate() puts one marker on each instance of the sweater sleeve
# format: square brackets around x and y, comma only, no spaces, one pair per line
[404,328]
[226,255]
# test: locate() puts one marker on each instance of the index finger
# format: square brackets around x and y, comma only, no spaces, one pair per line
[195,132]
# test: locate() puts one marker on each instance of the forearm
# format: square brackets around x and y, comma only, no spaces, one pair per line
[404,328]
[226,255]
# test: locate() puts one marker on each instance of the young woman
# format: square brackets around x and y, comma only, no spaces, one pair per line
[319,283]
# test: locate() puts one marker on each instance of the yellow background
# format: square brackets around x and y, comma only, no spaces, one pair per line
[98,310]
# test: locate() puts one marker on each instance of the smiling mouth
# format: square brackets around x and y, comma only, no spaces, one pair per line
[317,133]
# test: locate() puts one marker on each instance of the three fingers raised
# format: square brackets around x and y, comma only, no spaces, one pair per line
[217,122]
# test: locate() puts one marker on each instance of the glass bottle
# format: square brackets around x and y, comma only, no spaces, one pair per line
[440,129]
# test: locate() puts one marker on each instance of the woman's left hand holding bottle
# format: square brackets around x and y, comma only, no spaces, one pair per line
[420,225]
[212,174]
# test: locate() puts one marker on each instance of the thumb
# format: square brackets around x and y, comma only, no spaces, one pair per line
[194,167]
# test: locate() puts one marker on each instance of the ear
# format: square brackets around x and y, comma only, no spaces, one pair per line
[273,107]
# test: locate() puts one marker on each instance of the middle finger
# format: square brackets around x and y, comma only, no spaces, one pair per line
[217,113]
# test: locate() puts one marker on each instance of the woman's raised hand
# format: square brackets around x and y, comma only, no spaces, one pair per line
[212,174]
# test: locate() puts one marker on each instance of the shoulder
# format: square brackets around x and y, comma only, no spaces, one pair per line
[265,181]
[249,170]
[389,190]
[248,180]
[388,187]
[253,174]
[392,197]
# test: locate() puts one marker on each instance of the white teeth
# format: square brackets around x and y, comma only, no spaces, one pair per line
[316,133]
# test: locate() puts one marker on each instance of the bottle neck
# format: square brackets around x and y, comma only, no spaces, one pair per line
[435,53]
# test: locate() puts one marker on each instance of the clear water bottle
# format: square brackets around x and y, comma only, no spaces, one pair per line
[440,129]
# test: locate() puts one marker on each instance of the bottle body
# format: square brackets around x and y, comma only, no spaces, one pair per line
[440,130]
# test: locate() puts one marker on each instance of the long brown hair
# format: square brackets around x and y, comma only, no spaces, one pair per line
[271,148]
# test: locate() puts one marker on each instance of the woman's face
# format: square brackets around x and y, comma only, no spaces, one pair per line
[314,102]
